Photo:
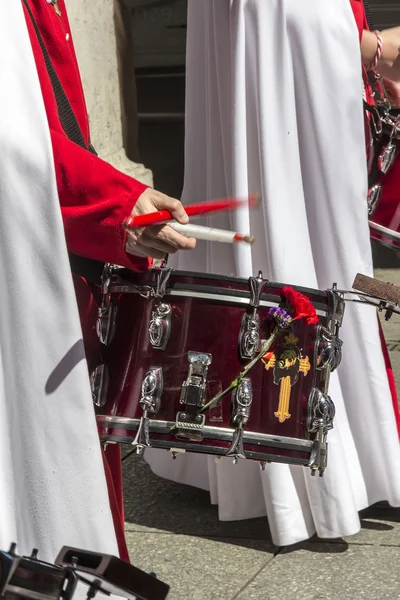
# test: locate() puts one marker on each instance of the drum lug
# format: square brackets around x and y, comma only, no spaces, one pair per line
[242,399]
[249,336]
[321,412]
[106,277]
[99,385]
[190,422]
[105,324]
[374,196]
[152,389]
[387,157]
[328,350]
[160,326]
[150,401]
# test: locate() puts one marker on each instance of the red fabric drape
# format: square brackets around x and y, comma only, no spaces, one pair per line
[112,468]
[390,198]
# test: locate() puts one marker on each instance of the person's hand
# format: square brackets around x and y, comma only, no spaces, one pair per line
[394,73]
[392,90]
[157,240]
[389,65]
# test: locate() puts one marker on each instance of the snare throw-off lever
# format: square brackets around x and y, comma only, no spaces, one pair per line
[150,401]
[190,422]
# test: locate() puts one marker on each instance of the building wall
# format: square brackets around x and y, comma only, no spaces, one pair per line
[97,37]
[385,14]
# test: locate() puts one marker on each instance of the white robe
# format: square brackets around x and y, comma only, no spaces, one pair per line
[52,483]
[274,106]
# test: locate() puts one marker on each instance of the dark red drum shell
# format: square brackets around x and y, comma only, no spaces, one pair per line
[206,324]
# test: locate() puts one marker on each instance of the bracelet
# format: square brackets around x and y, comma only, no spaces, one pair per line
[378,54]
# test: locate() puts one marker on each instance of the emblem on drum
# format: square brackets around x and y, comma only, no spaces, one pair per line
[288,363]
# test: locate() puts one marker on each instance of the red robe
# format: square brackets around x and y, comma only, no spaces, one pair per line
[391,182]
[390,199]
[94,197]
[359,13]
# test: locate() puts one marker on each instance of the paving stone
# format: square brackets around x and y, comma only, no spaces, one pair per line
[380,526]
[152,503]
[328,572]
[198,568]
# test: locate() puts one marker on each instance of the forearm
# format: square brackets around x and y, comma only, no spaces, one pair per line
[390,51]
[95,199]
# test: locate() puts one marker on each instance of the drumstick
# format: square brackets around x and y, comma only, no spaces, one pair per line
[211,234]
[391,233]
[193,210]
[378,289]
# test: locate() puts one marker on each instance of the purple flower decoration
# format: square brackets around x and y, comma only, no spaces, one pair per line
[280,315]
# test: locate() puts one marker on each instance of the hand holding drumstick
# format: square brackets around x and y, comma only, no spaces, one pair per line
[158,223]
[157,240]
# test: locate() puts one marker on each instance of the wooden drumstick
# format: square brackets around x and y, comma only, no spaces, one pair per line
[378,289]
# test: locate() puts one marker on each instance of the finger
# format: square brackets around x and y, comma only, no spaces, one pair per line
[146,251]
[168,235]
[163,202]
[157,244]
[135,251]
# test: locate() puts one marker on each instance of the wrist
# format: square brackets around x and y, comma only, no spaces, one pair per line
[378,52]
[369,44]
[390,50]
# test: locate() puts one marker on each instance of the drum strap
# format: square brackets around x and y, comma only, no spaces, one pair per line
[88,268]
[368,14]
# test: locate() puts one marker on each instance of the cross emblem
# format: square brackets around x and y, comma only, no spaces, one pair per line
[287,366]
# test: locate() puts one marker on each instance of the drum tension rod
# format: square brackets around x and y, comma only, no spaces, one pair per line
[150,401]
[242,398]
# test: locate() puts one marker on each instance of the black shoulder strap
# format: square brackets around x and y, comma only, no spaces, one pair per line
[88,268]
[368,15]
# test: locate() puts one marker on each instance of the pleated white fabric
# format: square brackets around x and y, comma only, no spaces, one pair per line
[52,483]
[274,106]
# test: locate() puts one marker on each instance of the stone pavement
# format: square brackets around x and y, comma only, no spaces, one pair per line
[174,531]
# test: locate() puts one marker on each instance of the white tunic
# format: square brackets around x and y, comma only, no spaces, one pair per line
[274,106]
[52,483]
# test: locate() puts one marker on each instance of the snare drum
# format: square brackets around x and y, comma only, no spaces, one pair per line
[382,128]
[173,340]
[385,222]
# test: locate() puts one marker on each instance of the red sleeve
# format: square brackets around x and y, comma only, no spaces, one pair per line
[95,198]
[359,14]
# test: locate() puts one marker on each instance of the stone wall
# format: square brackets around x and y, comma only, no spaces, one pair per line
[105,57]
